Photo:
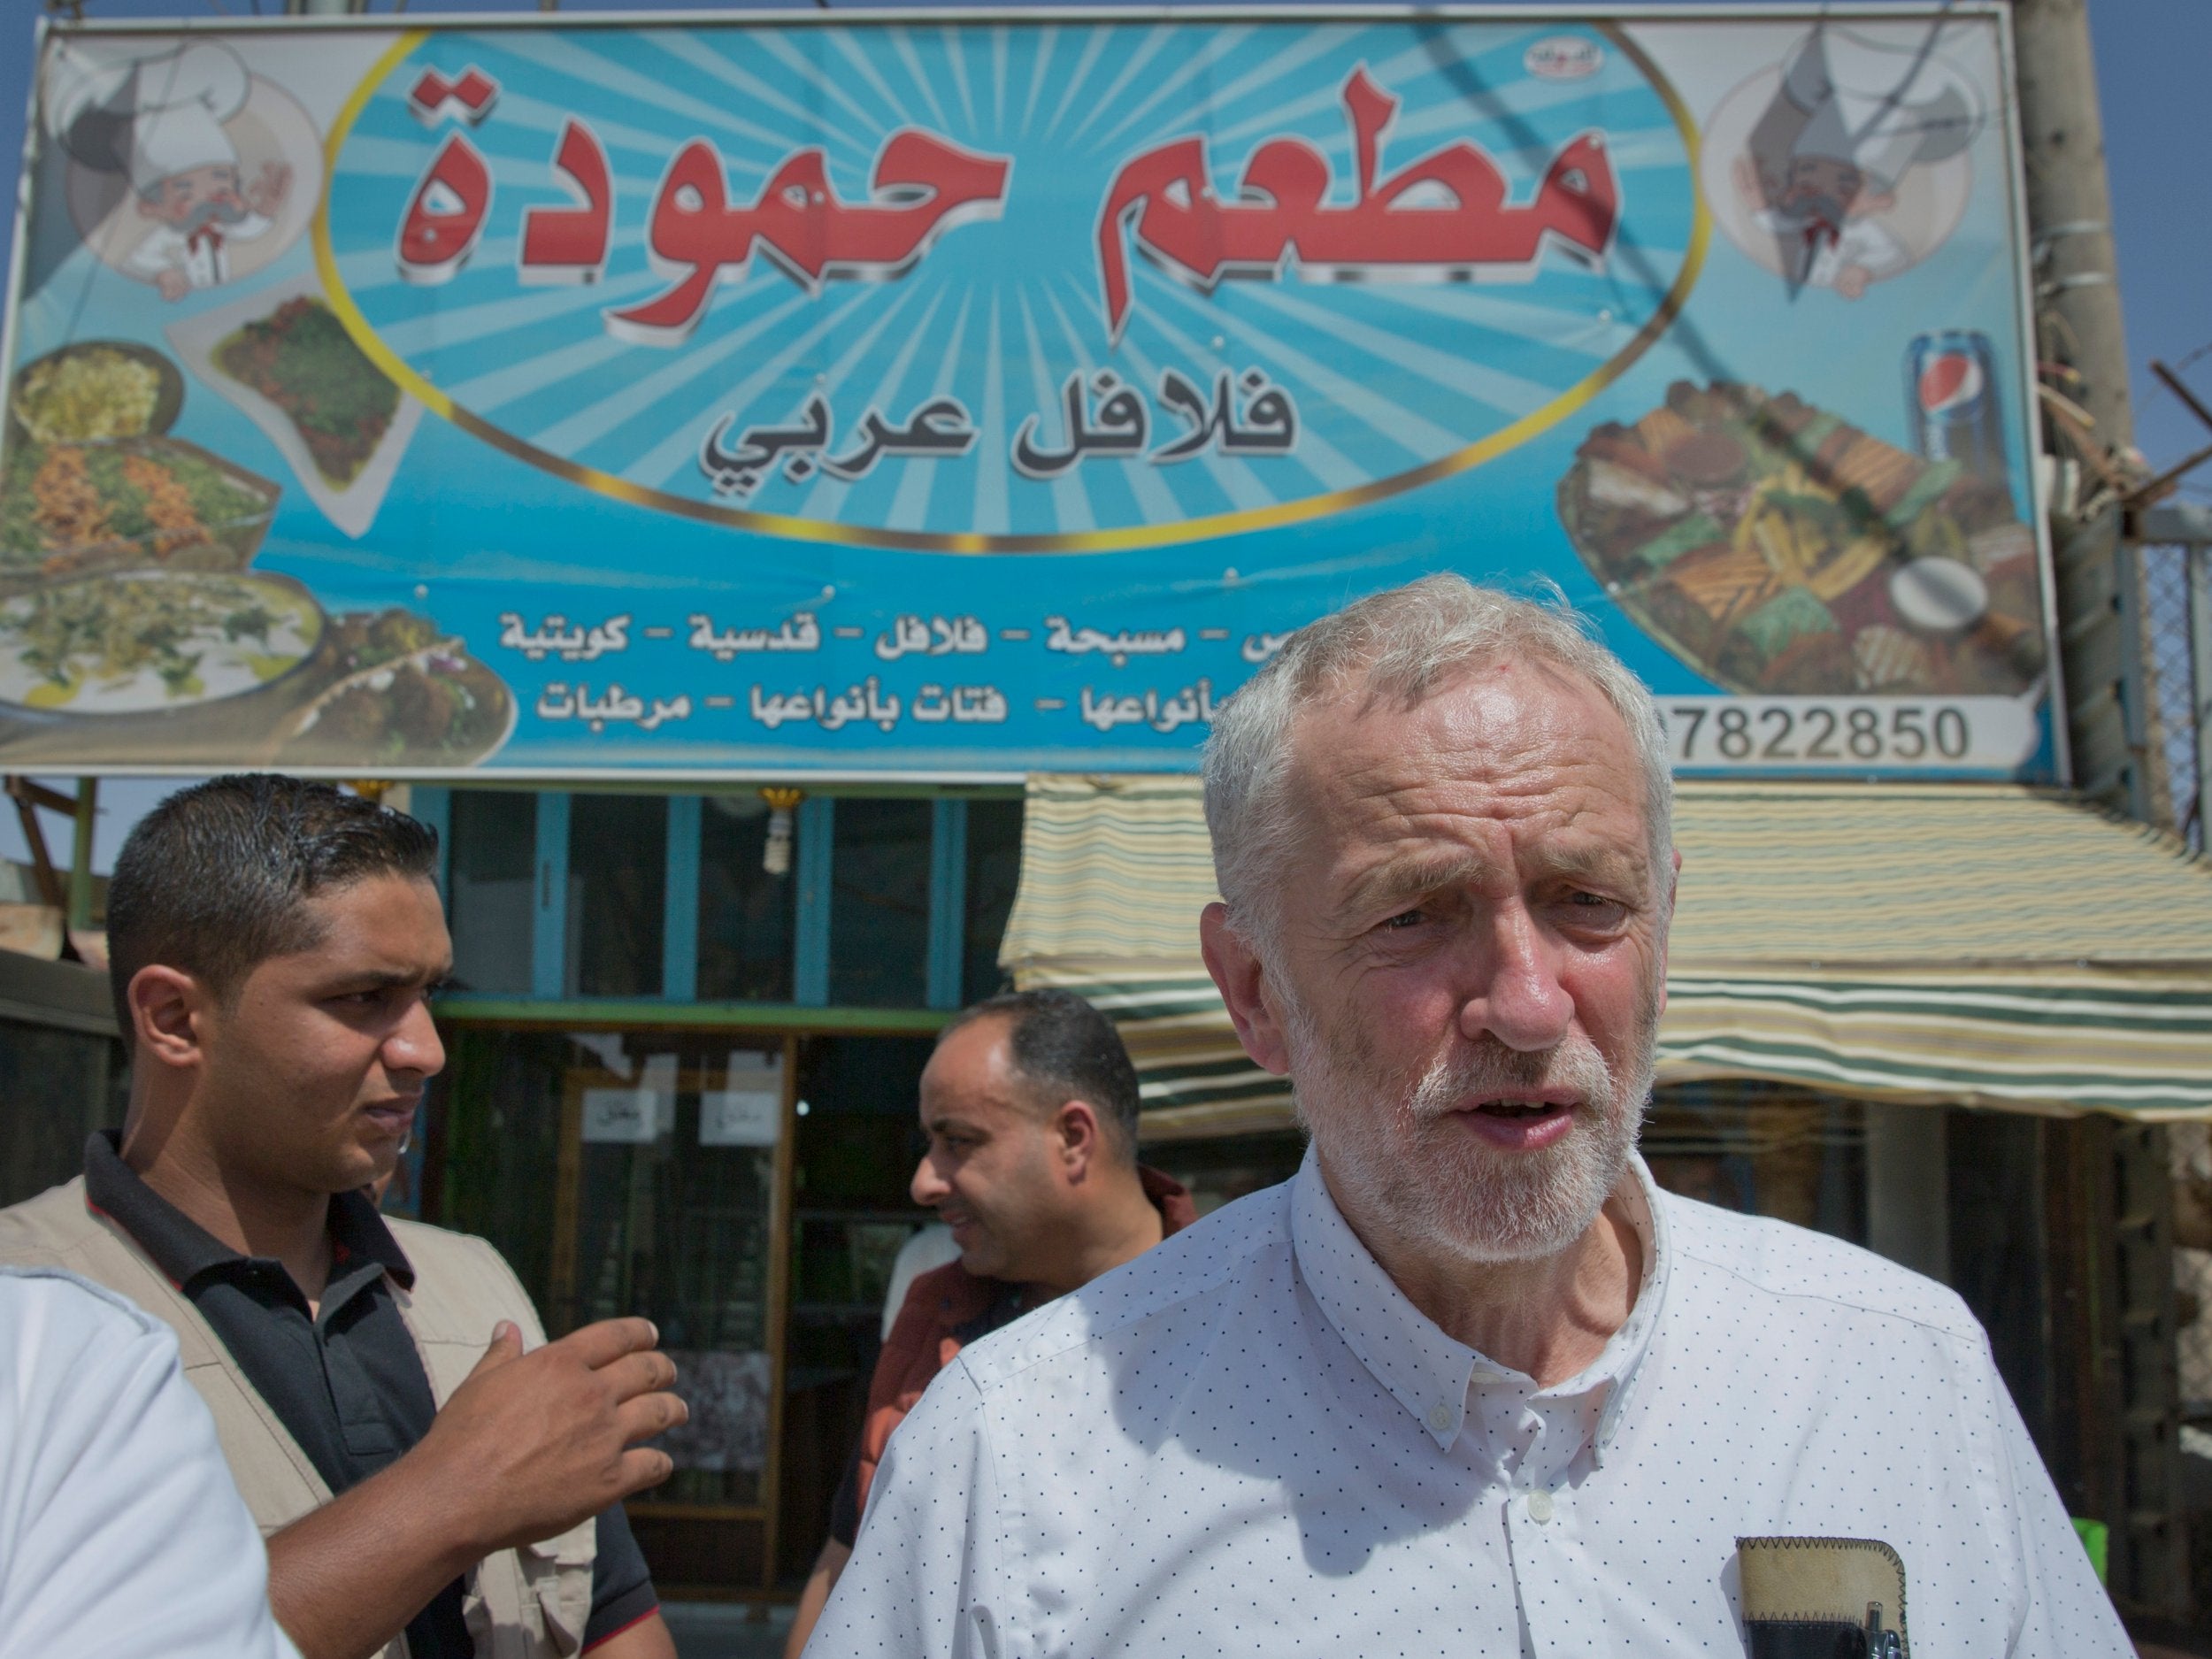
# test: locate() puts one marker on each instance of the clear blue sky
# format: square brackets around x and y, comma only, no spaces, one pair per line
[2151,56]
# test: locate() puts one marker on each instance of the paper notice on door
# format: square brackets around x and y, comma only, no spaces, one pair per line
[748,1112]
[620,1117]
[634,1116]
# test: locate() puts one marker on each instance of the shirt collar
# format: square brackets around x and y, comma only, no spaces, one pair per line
[1427,1372]
[183,1249]
[1620,1366]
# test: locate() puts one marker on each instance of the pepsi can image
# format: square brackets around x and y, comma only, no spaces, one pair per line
[1951,401]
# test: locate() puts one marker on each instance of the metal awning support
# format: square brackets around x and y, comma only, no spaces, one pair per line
[72,895]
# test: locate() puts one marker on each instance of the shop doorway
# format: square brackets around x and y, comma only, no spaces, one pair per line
[744,1189]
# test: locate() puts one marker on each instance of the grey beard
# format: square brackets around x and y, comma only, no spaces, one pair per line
[217,213]
[1398,1162]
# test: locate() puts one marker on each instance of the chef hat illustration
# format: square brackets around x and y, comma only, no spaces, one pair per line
[147,117]
[1884,109]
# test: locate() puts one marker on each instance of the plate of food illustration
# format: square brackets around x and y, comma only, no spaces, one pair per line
[1777,550]
[163,644]
[95,391]
[283,357]
[399,692]
[70,508]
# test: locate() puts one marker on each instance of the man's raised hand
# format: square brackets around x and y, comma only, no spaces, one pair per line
[535,1442]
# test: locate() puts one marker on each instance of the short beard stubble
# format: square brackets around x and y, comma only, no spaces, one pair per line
[1389,1147]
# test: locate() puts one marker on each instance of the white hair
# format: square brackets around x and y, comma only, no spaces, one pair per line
[1400,646]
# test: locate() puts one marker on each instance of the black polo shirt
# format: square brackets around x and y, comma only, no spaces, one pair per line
[346,1381]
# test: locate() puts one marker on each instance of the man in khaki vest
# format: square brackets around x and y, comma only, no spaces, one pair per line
[272,945]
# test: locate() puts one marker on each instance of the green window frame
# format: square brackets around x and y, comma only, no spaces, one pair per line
[813,874]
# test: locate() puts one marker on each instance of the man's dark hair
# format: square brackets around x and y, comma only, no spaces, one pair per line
[216,880]
[1065,1049]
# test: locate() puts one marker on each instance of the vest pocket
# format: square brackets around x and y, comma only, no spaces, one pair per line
[558,1574]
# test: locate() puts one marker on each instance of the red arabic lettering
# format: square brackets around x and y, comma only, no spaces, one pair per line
[569,244]
[433,97]
[922,186]
[445,216]
[1397,225]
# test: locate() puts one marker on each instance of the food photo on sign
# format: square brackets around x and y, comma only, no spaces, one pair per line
[133,623]
[282,358]
[1781,549]
[994,396]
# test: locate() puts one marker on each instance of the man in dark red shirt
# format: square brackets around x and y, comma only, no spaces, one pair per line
[1030,1107]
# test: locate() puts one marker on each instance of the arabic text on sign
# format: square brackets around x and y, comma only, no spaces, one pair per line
[1116,647]
[865,703]
[941,427]
[573,644]
[1257,647]
[1442,217]
[614,706]
[1267,424]
[569,244]
[922,186]
[1111,417]
[434,98]
[964,705]
[931,636]
[802,633]
[445,217]
[1194,705]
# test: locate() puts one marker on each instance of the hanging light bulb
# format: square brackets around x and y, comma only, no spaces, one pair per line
[775,856]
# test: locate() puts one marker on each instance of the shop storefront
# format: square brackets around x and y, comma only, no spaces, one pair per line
[786,496]
[1932,1019]
[681,1084]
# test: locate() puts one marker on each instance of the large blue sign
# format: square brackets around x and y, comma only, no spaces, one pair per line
[970,397]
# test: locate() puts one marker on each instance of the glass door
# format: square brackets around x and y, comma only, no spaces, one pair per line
[646,1173]
[667,1195]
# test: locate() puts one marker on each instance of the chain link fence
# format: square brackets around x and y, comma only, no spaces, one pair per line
[2177,598]
[2177,579]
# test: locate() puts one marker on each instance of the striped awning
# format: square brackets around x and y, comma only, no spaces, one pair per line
[1967,944]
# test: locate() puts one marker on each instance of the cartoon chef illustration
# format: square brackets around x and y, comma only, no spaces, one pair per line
[160,122]
[1821,174]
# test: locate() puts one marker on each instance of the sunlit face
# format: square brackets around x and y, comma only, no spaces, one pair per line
[314,1069]
[989,1173]
[196,196]
[1472,960]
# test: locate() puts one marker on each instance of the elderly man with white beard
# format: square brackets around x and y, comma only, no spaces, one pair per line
[1470,1383]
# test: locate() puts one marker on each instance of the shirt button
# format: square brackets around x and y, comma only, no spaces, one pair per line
[1540,1506]
[1486,1378]
[1439,1418]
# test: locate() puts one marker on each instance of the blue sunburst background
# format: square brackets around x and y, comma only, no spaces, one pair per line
[1386,376]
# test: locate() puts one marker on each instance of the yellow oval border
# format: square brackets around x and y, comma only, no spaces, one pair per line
[1227,524]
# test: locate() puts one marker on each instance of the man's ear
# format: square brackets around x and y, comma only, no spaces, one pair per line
[1666,923]
[166,1008]
[1077,1138]
[1237,972]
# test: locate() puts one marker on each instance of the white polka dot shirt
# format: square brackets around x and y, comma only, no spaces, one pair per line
[1247,1441]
